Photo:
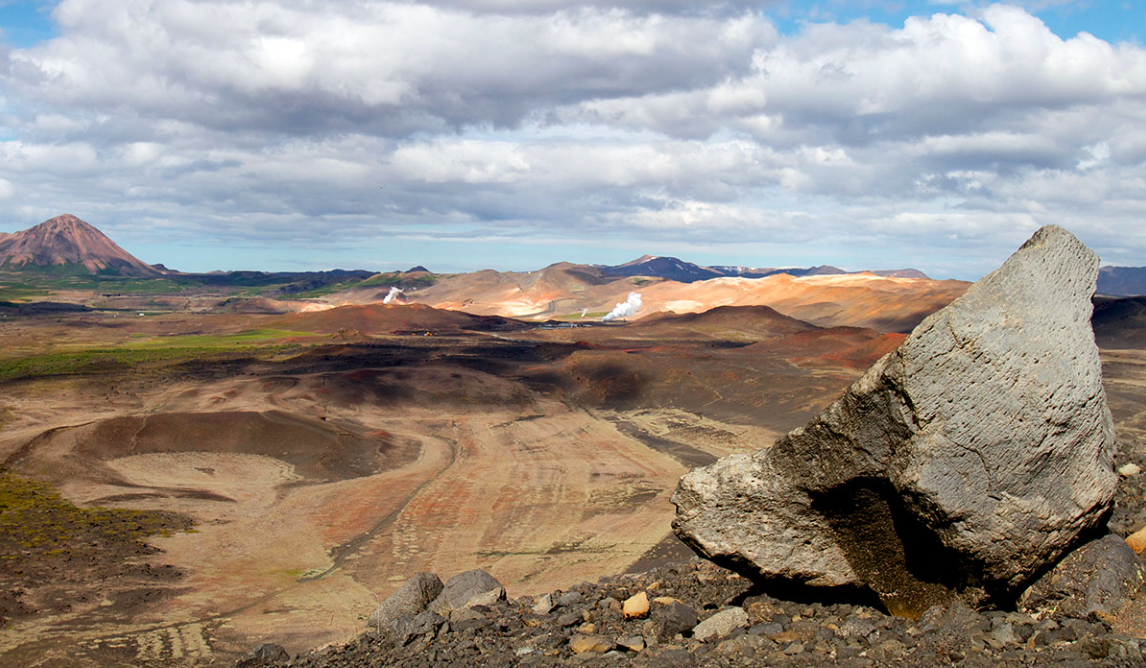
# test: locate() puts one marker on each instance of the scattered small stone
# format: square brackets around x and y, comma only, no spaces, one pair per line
[839,635]
[1137,540]
[463,615]
[671,619]
[886,651]
[265,655]
[762,610]
[1129,470]
[768,630]
[569,598]
[580,644]
[856,627]
[1001,635]
[721,624]
[631,643]
[406,629]
[637,606]
[544,604]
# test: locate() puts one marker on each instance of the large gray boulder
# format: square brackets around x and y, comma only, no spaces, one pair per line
[965,461]
[466,590]
[410,599]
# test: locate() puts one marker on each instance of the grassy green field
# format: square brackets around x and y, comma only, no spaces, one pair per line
[326,290]
[33,285]
[210,341]
[155,353]
[578,316]
[34,518]
[44,538]
[20,292]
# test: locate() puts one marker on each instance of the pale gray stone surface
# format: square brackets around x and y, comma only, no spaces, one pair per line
[410,599]
[721,624]
[476,585]
[984,439]
[741,510]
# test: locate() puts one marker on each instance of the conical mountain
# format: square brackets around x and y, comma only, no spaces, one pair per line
[67,244]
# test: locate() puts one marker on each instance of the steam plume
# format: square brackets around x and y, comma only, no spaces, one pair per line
[394,294]
[625,309]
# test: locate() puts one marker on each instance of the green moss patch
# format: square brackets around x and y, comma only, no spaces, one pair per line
[41,532]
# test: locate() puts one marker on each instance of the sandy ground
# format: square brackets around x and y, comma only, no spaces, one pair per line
[539,492]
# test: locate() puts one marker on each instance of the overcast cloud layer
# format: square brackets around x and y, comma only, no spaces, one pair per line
[479,133]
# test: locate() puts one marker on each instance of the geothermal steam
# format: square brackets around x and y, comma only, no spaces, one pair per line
[625,309]
[394,294]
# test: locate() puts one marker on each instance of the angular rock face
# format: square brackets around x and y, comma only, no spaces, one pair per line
[410,599]
[466,589]
[975,454]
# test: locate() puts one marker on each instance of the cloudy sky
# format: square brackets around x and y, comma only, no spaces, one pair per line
[463,134]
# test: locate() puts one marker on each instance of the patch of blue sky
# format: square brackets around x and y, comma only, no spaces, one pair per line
[1110,20]
[27,22]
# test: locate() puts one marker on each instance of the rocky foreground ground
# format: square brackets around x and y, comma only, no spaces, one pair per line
[738,626]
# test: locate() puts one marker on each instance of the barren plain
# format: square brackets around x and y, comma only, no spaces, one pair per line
[294,470]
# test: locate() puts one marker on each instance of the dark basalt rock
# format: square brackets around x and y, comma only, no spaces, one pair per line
[1094,580]
[784,634]
[265,656]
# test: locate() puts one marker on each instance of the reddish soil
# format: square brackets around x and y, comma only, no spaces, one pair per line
[69,240]
[400,318]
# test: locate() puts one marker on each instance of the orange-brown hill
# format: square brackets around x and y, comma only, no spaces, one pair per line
[68,243]
[729,323]
[389,318]
[852,347]
[853,300]
[886,303]
[558,289]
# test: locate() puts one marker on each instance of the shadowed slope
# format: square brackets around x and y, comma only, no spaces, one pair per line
[1120,323]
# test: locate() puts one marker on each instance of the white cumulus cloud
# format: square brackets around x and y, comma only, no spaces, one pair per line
[301,122]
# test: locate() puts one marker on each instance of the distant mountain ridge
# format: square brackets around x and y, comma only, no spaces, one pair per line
[675,269]
[663,267]
[1122,281]
[67,244]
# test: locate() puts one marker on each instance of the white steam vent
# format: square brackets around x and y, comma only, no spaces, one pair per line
[625,309]
[394,294]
